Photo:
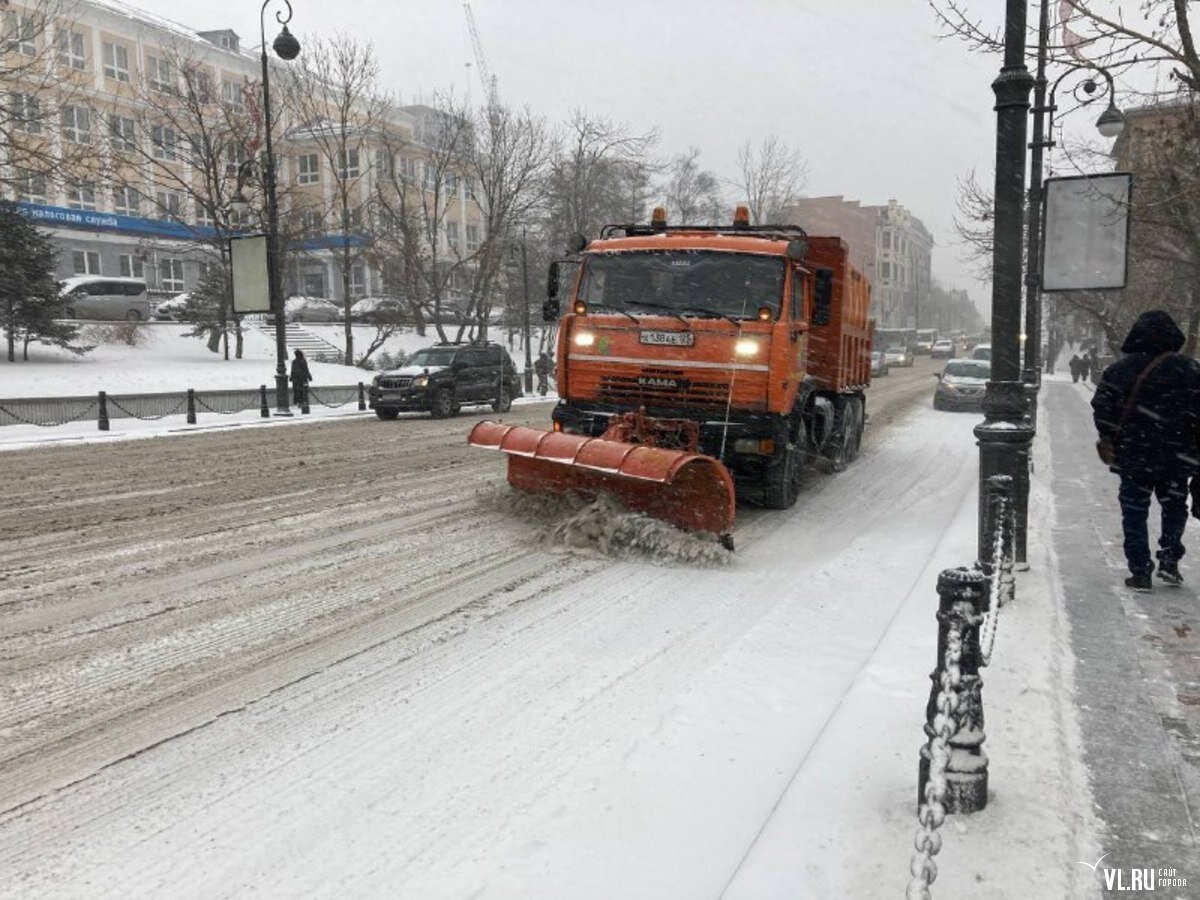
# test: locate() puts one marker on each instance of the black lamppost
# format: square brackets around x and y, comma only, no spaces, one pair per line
[287,48]
[1005,433]
[1110,124]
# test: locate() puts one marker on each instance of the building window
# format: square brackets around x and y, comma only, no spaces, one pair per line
[126,201]
[452,236]
[170,205]
[131,266]
[122,133]
[885,271]
[81,195]
[164,143]
[22,34]
[204,215]
[452,185]
[313,282]
[431,177]
[472,238]
[30,186]
[351,219]
[170,274]
[158,73]
[71,49]
[408,169]
[308,168]
[77,124]
[231,95]
[86,262]
[26,112]
[311,220]
[358,280]
[116,62]
[347,161]
[469,187]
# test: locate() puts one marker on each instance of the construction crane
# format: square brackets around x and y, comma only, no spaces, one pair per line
[485,74]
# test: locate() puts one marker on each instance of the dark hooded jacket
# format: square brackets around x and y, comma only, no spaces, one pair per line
[300,373]
[1159,437]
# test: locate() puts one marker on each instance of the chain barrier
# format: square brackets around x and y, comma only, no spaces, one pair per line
[931,814]
[226,412]
[1002,584]
[314,396]
[24,421]
[171,412]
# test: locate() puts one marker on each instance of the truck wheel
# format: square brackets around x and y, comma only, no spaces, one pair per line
[846,428]
[854,425]
[782,484]
[443,405]
[388,415]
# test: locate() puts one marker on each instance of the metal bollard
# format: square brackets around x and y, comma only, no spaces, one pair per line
[102,415]
[967,770]
[362,397]
[304,399]
[191,406]
[263,409]
[999,516]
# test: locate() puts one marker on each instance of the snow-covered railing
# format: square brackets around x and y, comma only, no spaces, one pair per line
[48,412]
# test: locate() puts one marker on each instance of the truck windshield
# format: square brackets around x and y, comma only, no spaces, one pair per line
[692,282]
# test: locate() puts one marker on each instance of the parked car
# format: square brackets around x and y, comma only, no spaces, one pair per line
[961,385]
[94,297]
[311,309]
[899,355]
[445,377]
[378,309]
[879,362]
[943,349]
[169,310]
[982,351]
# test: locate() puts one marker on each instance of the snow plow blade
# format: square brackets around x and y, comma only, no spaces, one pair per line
[689,490]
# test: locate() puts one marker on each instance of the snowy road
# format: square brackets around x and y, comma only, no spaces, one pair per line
[324,661]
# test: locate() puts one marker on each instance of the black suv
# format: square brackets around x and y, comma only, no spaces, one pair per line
[445,377]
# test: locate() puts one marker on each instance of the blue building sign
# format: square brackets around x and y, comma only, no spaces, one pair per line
[61,217]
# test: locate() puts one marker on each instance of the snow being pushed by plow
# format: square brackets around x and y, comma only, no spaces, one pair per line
[603,527]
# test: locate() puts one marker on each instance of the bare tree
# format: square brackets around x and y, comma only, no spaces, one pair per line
[339,110]
[508,157]
[772,175]
[181,153]
[598,176]
[692,194]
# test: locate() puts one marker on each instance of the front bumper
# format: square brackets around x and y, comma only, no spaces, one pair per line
[402,400]
[958,400]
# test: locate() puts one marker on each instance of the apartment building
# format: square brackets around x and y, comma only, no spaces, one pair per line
[132,134]
[887,242]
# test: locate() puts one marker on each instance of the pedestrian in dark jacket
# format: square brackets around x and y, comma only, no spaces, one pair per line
[1084,367]
[300,378]
[1075,365]
[1154,440]
[542,367]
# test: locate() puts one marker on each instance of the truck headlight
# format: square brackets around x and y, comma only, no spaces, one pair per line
[746,347]
[584,339]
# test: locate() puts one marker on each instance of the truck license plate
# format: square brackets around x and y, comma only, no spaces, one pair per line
[668,338]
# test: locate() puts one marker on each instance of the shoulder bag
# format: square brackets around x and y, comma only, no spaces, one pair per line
[1106,447]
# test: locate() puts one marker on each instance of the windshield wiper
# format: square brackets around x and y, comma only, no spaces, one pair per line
[670,310]
[614,309]
[711,314]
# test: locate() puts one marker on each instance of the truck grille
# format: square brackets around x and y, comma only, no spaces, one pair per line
[393,384]
[633,389]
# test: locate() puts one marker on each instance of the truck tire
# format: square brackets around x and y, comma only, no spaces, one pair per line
[854,423]
[443,406]
[845,434]
[781,486]
[387,415]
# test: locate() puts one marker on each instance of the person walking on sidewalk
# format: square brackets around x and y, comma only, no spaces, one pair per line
[300,378]
[1145,409]
[1074,365]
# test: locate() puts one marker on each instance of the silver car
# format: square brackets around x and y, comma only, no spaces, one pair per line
[96,297]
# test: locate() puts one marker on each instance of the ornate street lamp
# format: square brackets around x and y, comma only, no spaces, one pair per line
[287,48]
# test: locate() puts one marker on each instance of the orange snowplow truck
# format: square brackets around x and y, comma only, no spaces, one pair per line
[698,365]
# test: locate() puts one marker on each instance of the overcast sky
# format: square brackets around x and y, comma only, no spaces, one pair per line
[878,105]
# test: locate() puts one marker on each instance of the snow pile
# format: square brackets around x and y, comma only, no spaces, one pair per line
[604,527]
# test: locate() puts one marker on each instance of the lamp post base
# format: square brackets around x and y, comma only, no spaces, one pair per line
[281,395]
